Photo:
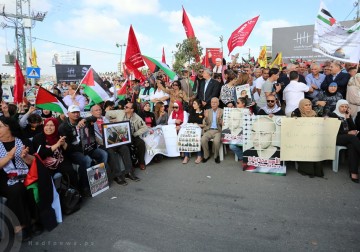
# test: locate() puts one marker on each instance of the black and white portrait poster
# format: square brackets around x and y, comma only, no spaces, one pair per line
[262,145]
[232,130]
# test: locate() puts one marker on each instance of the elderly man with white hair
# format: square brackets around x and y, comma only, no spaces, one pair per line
[336,75]
[314,80]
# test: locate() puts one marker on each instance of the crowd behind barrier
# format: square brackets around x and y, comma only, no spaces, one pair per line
[62,141]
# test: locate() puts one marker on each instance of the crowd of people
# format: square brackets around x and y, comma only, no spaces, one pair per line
[297,90]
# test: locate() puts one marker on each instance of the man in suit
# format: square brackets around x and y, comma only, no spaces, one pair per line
[336,75]
[210,89]
[212,130]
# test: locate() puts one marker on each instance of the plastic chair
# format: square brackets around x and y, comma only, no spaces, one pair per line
[335,162]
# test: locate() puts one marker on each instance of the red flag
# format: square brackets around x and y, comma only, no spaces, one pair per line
[241,34]
[187,25]
[19,84]
[189,31]
[163,60]
[133,53]
[138,75]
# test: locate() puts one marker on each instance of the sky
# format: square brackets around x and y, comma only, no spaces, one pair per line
[100,24]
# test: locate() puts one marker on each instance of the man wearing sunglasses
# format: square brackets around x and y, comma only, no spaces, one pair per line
[271,108]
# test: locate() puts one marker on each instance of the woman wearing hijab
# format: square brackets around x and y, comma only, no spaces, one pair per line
[325,102]
[311,169]
[147,115]
[46,114]
[178,116]
[347,136]
[145,93]
[304,109]
[52,150]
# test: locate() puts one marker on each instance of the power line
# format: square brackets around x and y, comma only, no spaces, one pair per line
[355,5]
[82,48]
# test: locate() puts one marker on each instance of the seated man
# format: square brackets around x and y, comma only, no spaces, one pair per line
[70,129]
[138,127]
[212,130]
[271,107]
[115,153]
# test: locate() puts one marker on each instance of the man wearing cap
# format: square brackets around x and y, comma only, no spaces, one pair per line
[70,129]
[337,76]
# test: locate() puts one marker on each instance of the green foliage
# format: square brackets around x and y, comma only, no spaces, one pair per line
[186,54]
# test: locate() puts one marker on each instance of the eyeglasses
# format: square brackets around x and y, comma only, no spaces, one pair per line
[272,101]
[201,71]
[175,107]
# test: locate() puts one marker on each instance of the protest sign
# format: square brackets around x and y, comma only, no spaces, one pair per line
[161,139]
[189,138]
[308,139]
[262,145]
[98,180]
[232,130]
[87,136]
[243,90]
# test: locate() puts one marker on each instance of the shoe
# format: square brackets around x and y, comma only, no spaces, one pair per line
[355,180]
[37,229]
[142,166]
[85,193]
[120,181]
[132,177]
[217,160]
[198,160]
[186,160]
[24,235]
[204,160]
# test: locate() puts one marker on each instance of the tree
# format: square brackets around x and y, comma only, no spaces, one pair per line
[186,54]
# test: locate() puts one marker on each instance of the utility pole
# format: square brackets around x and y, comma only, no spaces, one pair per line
[18,20]
[121,46]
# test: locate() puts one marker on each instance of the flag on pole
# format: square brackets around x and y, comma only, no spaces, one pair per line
[49,101]
[121,93]
[133,54]
[19,84]
[277,61]
[262,59]
[190,34]
[34,58]
[163,59]
[153,63]
[241,34]
[334,40]
[94,87]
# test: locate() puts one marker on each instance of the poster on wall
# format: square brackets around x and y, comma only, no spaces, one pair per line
[262,145]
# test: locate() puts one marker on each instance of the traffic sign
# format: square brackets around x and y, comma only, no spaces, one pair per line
[33,72]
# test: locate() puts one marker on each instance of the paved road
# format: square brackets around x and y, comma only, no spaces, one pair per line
[211,207]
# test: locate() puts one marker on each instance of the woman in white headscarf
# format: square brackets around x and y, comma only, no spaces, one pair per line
[353,93]
[347,136]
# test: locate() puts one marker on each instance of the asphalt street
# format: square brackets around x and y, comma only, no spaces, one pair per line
[214,207]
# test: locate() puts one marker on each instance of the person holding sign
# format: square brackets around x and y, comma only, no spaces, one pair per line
[347,136]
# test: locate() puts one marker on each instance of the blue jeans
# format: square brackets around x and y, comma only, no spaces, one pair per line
[187,154]
[237,150]
[84,162]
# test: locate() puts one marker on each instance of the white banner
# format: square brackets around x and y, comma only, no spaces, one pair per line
[335,41]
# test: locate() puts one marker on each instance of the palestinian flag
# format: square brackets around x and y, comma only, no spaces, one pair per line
[153,64]
[121,93]
[49,101]
[326,17]
[94,87]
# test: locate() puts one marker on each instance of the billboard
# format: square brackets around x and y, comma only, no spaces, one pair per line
[212,53]
[66,58]
[70,72]
[296,42]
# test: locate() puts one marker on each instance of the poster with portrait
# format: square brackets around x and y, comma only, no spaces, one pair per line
[161,139]
[87,137]
[115,134]
[189,138]
[243,90]
[232,130]
[261,146]
[98,180]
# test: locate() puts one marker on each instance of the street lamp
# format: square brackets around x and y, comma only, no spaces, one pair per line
[121,46]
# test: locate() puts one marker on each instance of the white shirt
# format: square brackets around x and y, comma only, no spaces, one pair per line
[293,93]
[258,85]
[78,98]
[159,94]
